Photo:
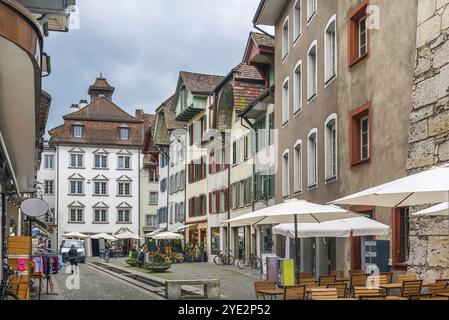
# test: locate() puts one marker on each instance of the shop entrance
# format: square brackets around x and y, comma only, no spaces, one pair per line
[239,250]
[95,247]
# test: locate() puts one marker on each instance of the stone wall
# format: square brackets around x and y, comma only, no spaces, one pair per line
[429,133]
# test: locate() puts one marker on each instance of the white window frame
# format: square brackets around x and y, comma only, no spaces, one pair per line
[100,188]
[124,189]
[77,211]
[298,166]
[359,35]
[156,195]
[366,118]
[311,14]
[286,174]
[297,20]
[100,220]
[285,45]
[81,128]
[297,88]
[285,101]
[49,159]
[123,137]
[312,95]
[52,183]
[77,157]
[124,211]
[101,156]
[328,148]
[124,162]
[312,184]
[328,76]
[77,182]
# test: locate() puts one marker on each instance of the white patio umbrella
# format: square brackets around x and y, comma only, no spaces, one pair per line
[427,187]
[149,235]
[128,235]
[77,235]
[357,227]
[293,211]
[104,236]
[168,236]
[439,210]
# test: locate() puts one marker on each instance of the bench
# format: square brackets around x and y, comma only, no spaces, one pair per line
[173,288]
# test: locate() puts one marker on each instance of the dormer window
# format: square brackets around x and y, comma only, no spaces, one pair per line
[124,133]
[78,130]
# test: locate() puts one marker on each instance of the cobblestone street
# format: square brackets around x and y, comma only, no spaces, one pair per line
[96,285]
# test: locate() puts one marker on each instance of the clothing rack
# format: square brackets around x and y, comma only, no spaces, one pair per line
[44,252]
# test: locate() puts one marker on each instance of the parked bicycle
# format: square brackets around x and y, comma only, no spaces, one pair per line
[105,255]
[224,259]
[6,293]
[252,262]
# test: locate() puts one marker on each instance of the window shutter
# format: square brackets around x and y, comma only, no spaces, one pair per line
[249,191]
[226,208]
[191,134]
[217,202]
[210,202]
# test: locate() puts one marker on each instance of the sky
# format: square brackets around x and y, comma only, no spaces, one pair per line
[141,45]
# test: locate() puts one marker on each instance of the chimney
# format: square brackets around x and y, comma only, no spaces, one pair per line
[74,108]
[82,104]
[139,113]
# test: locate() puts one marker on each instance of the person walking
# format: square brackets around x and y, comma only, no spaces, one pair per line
[73,257]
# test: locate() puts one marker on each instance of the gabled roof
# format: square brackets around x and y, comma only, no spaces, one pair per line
[100,84]
[262,40]
[268,12]
[246,72]
[198,83]
[165,122]
[102,109]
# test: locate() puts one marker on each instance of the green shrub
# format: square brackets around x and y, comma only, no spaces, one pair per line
[131,262]
[133,255]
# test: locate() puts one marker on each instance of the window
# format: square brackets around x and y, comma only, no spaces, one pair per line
[124,188]
[285,175]
[124,133]
[285,39]
[153,198]
[76,187]
[297,21]
[100,216]
[76,216]
[401,232]
[101,161]
[76,160]
[330,48]
[260,130]
[331,147]
[358,34]
[163,185]
[49,161]
[100,188]
[150,220]
[313,159]
[49,187]
[124,162]
[197,170]
[285,102]
[162,215]
[153,177]
[197,130]
[163,161]
[312,72]
[271,129]
[311,9]
[297,87]
[123,216]
[360,137]
[298,167]
[77,131]
[197,206]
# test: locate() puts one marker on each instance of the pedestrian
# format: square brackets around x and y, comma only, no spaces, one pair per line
[73,257]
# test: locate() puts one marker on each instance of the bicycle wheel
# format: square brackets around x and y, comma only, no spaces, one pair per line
[230,260]
[218,261]
[241,263]
[256,263]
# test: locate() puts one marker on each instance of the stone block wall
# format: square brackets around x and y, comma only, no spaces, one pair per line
[429,133]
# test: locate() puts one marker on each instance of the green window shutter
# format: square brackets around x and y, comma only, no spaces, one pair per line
[255,190]
[234,153]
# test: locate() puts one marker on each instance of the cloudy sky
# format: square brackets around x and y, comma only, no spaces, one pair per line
[141,45]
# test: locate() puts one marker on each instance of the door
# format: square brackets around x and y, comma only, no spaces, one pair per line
[95,248]
[357,247]
[332,253]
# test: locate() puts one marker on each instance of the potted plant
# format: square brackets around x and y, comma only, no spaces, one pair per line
[158,264]
[202,253]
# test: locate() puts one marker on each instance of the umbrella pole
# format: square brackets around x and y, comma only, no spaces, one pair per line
[298,268]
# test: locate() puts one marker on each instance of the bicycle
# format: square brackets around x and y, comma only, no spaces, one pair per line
[105,255]
[6,293]
[252,262]
[224,259]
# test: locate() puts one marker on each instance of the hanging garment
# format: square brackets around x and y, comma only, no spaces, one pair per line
[22,264]
[61,262]
[38,265]
[55,264]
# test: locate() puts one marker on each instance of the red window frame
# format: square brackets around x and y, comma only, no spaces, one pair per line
[354,134]
[399,263]
[354,17]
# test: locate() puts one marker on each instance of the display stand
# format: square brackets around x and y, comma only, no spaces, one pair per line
[20,248]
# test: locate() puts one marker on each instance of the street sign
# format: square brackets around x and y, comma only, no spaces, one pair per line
[34,207]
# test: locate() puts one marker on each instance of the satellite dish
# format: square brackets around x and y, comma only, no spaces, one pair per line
[34,207]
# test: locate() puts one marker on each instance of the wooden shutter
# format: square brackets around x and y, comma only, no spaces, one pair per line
[217,202]
[210,202]
[226,208]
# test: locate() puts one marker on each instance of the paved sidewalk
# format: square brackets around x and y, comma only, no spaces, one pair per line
[235,285]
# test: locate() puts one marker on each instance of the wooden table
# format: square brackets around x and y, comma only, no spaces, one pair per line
[272,293]
[443,294]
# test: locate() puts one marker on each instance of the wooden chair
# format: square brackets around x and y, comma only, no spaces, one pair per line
[374,297]
[295,293]
[357,280]
[420,296]
[374,281]
[407,277]
[436,287]
[443,281]
[263,285]
[324,294]
[338,274]
[366,292]
[436,298]
[325,280]
[307,282]
[341,288]
[306,275]
[388,275]
[411,287]
[354,272]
